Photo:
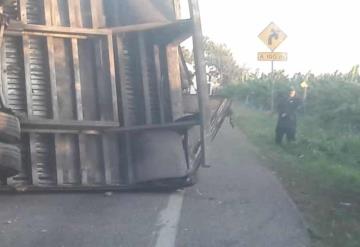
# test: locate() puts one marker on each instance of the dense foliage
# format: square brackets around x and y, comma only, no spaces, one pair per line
[321,171]
[221,62]
[333,99]
[221,65]
[322,168]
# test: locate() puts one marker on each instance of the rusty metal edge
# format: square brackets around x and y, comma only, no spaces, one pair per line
[164,184]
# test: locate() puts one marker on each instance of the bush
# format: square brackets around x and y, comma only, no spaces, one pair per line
[332,99]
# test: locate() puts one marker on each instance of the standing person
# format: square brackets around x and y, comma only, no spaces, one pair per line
[286,124]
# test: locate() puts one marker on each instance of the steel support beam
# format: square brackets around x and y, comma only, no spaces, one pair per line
[200,67]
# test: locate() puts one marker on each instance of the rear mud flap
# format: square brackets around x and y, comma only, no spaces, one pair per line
[159,156]
[168,158]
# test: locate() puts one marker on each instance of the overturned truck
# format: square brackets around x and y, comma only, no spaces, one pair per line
[94,95]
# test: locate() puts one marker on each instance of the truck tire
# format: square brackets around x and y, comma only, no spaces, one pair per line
[10,161]
[9,128]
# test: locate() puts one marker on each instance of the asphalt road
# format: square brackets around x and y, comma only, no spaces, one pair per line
[237,203]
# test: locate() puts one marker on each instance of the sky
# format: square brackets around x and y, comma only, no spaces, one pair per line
[322,36]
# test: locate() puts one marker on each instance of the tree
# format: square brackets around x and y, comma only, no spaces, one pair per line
[221,63]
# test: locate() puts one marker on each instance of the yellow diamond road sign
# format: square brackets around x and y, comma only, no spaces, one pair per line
[272,36]
[304,84]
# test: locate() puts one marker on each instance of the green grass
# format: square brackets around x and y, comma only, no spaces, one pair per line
[321,171]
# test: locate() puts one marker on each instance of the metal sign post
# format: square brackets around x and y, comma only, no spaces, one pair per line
[272,36]
[272,87]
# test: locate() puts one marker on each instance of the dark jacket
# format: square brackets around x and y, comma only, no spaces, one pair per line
[287,112]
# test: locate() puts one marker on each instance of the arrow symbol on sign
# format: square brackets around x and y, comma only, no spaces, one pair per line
[273,35]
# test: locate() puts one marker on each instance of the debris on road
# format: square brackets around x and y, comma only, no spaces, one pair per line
[108,194]
[199,193]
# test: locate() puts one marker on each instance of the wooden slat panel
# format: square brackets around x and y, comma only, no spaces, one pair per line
[95,152]
[43,128]
[145,78]
[13,75]
[165,84]
[24,177]
[20,27]
[23,12]
[103,65]
[103,78]
[123,81]
[153,81]
[101,169]
[67,150]
[76,21]
[83,160]
[130,60]
[41,146]
[159,78]
[54,96]
[75,13]
[175,82]
[140,27]
[111,143]
[88,80]
[113,78]
[126,140]
[97,10]
[56,35]
[32,143]
[39,75]
[93,170]
[95,166]
[44,167]
[129,159]
[88,153]
[3,83]
[27,75]
[76,64]
[86,18]
[87,63]
[111,150]
[33,158]
[35,12]
[49,10]
[63,14]
[64,78]
[113,13]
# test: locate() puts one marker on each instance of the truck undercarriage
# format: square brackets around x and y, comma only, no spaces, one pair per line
[94,96]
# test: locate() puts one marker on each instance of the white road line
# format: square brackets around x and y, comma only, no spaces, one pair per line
[169,220]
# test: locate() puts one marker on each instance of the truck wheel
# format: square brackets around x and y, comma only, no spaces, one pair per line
[9,128]
[10,161]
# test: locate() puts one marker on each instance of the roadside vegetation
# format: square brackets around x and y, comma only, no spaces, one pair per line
[322,169]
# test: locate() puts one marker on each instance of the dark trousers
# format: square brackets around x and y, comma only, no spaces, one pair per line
[288,131]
